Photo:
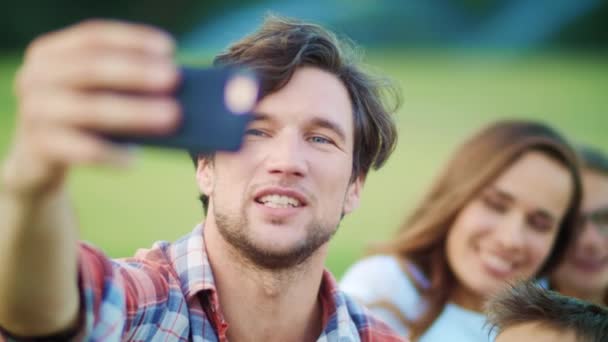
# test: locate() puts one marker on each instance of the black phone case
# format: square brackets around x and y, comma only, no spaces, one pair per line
[207,125]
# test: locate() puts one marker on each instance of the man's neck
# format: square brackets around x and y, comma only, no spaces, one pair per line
[266,305]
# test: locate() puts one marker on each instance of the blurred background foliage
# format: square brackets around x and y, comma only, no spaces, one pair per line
[561,23]
[459,63]
[23,20]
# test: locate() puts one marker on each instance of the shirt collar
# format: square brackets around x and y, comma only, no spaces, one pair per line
[191,263]
[189,258]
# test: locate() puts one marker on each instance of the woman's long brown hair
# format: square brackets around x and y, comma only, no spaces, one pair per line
[474,165]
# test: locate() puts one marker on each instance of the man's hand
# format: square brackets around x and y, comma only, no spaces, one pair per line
[92,78]
[82,81]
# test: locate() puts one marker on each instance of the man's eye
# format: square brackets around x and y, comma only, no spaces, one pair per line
[320,140]
[255,132]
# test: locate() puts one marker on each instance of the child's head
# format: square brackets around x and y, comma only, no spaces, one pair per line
[527,312]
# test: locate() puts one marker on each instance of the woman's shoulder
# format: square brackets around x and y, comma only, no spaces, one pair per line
[382,265]
[381,278]
[382,284]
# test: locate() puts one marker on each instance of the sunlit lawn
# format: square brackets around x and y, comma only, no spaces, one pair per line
[446,97]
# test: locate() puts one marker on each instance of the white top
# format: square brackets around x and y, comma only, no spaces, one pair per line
[380,278]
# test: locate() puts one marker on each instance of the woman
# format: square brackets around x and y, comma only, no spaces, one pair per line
[502,210]
[584,272]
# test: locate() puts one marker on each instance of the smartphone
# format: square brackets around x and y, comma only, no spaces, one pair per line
[216,105]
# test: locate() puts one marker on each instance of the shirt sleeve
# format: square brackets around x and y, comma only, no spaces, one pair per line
[119,299]
[102,302]
[125,299]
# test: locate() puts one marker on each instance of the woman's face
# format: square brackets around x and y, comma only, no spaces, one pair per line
[585,269]
[507,232]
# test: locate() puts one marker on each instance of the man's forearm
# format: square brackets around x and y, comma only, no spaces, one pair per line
[60,124]
[38,264]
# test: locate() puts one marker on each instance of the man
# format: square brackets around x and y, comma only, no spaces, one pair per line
[528,312]
[253,270]
[584,271]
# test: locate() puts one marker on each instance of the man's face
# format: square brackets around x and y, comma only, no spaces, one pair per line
[283,194]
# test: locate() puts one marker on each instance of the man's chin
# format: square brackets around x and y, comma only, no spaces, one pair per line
[277,257]
[271,246]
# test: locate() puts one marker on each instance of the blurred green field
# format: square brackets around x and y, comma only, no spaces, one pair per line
[447,95]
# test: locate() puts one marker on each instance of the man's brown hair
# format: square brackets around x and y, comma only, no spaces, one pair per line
[282,45]
[530,303]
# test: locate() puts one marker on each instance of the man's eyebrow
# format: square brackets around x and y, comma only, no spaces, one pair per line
[328,124]
[317,121]
[260,117]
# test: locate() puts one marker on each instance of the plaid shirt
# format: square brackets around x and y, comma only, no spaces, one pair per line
[167,293]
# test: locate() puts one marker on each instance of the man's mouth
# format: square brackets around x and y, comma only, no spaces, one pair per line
[279,201]
[280,198]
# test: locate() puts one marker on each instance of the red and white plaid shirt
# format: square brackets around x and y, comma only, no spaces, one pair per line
[168,293]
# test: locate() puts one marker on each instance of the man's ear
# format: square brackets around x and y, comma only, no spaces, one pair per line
[353,194]
[205,175]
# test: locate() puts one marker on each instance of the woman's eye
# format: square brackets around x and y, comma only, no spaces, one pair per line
[494,204]
[540,224]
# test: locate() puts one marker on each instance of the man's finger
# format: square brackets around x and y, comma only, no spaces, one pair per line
[110,112]
[106,69]
[72,147]
[103,34]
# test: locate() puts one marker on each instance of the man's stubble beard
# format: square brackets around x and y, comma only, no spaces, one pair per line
[235,230]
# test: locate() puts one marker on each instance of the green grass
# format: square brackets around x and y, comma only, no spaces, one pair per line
[447,96]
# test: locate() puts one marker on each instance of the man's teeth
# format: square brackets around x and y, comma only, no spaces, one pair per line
[278,201]
[498,263]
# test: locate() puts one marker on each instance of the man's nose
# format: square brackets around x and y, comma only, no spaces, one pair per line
[287,155]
